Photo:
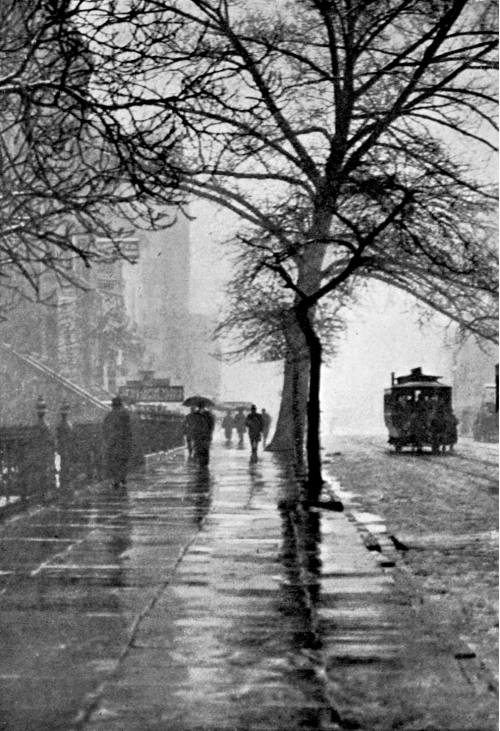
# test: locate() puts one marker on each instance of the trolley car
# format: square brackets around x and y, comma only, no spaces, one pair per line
[418,413]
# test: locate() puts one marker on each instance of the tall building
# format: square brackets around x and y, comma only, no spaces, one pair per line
[82,333]
[124,318]
[177,343]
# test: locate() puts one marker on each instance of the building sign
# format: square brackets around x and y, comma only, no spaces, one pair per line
[151,390]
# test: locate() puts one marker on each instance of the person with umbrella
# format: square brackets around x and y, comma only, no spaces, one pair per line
[203,424]
[187,429]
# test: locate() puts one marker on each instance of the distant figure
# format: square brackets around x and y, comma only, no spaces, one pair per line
[240,426]
[266,425]
[254,426]
[402,415]
[203,428]
[227,425]
[420,423]
[438,426]
[187,429]
[451,431]
[117,434]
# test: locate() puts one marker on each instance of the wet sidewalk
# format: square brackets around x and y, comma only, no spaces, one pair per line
[200,601]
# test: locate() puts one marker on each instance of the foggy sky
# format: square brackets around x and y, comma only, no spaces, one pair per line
[383,336]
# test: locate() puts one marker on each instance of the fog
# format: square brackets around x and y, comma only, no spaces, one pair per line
[383,335]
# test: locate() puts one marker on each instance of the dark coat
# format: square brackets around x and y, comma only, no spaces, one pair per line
[203,427]
[117,434]
[188,425]
[240,422]
[266,423]
[228,424]
[254,426]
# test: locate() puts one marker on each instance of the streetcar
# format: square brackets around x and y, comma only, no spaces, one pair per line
[418,413]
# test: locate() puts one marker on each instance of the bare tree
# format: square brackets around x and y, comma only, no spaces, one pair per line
[259,319]
[343,111]
[64,170]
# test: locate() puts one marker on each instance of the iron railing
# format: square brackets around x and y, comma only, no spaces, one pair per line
[36,465]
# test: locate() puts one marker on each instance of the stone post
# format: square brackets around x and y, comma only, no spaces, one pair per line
[42,455]
[65,447]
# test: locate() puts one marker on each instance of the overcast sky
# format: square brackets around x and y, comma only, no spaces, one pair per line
[383,336]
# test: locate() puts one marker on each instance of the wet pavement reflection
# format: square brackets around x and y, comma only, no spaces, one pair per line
[199,491]
[208,600]
[228,645]
[105,599]
[75,577]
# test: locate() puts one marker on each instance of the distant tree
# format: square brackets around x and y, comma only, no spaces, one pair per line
[258,320]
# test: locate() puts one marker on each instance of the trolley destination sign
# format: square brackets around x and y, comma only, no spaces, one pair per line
[151,390]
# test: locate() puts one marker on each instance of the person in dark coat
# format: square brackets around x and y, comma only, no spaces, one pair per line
[266,425]
[227,425]
[117,434]
[187,429]
[254,426]
[203,428]
[451,430]
[240,426]
[420,423]
[438,426]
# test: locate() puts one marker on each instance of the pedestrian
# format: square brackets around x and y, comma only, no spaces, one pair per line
[187,429]
[420,423]
[438,425]
[203,428]
[254,426]
[240,426]
[227,425]
[451,430]
[266,425]
[117,433]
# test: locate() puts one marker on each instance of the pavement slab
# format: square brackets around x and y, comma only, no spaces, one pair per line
[211,601]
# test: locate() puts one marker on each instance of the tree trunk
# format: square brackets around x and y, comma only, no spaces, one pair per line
[300,398]
[299,385]
[292,414]
[314,475]
[304,351]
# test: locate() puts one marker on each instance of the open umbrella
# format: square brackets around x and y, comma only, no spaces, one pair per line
[198,401]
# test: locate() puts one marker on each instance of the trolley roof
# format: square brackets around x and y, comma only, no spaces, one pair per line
[417,377]
[418,384]
[416,380]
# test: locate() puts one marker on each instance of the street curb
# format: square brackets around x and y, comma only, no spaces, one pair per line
[472,667]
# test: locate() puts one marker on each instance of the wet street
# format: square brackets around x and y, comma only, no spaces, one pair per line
[205,601]
[439,515]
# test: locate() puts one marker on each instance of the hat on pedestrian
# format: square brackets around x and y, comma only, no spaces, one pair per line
[116,401]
